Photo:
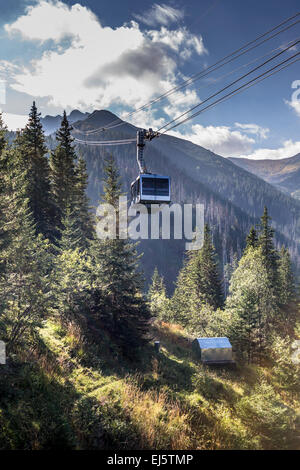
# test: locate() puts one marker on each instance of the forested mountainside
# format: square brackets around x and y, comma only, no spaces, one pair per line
[233,197]
[283,173]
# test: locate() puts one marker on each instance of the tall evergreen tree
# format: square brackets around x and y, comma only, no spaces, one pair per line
[81,205]
[63,171]
[24,284]
[117,280]
[252,305]
[199,283]
[207,275]
[31,148]
[157,283]
[70,234]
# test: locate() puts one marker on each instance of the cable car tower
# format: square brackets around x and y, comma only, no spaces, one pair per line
[148,188]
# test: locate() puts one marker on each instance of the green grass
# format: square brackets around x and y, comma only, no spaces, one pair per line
[66,393]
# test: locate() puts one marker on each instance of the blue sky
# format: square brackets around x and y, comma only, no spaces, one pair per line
[117,55]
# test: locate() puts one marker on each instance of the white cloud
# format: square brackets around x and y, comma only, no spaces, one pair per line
[14,121]
[53,20]
[226,141]
[219,139]
[295,105]
[160,15]
[288,149]
[179,102]
[177,38]
[145,119]
[254,129]
[101,66]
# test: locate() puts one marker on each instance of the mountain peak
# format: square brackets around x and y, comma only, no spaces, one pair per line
[102,117]
[76,114]
[52,123]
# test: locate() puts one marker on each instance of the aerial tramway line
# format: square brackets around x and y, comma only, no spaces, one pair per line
[150,188]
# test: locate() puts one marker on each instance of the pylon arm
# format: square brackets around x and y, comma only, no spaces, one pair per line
[140,144]
[141,135]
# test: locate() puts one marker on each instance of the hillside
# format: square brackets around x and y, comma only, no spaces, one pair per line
[233,197]
[283,174]
[67,393]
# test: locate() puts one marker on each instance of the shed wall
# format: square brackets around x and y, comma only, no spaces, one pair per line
[218,354]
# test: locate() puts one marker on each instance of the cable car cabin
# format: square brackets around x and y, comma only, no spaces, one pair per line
[151,189]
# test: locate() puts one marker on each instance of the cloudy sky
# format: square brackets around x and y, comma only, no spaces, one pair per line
[118,55]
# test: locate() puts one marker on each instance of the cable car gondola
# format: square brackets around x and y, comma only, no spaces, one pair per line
[149,188]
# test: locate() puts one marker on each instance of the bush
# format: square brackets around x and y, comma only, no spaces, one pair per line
[268,416]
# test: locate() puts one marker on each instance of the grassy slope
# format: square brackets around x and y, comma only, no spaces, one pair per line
[73,396]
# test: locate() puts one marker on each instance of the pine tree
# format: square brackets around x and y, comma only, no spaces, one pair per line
[24,284]
[157,283]
[157,295]
[63,171]
[207,276]
[72,281]
[81,205]
[269,253]
[70,234]
[32,154]
[112,186]
[198,285]
[117,280]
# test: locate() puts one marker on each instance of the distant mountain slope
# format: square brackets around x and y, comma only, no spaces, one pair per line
[52,123]
[233,197]
[284,173]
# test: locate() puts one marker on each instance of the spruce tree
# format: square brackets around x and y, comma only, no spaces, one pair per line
[70,234]
[81,205]
[199,283]
[207,276]
[72,282]
[157,283]
[32,155]
[252,305]
[24,284]
[63,171]
[117,280]
[252,239]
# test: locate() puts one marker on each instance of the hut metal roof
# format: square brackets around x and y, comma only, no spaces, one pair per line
[213,343]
